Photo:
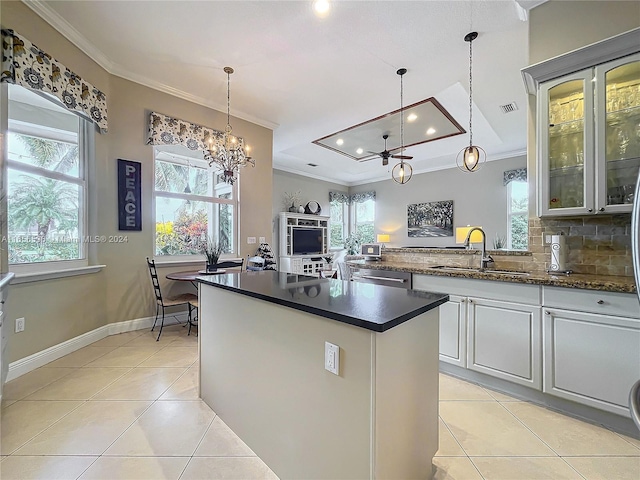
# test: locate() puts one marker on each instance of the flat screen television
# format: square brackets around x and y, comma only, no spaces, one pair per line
[307,241]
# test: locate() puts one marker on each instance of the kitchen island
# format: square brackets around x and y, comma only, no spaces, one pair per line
[262,370]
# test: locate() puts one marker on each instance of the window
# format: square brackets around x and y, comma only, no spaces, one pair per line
[338,224]
[46,182]
[191,203]
[364,214]
[518,215]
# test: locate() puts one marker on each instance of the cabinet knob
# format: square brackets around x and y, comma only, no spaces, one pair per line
[590,210]
[601,209]
[600,302]
[462,301]
[547,312]
[470,301]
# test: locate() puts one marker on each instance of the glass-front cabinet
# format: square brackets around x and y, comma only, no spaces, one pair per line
[589,139]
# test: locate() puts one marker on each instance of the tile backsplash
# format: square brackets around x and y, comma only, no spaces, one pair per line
[597,245]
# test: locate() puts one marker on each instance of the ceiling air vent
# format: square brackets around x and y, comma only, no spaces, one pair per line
[509,107]
[312,164]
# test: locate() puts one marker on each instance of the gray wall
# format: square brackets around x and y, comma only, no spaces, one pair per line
[310,189]
[478,199]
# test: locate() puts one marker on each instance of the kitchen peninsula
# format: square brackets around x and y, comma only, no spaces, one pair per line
[262,370]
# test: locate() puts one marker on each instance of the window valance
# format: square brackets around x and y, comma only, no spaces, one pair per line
[339,197]
[26,65]
[361,197]
[166,130]
[519,175]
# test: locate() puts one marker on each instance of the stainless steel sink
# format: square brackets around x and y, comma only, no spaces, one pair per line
[450,268]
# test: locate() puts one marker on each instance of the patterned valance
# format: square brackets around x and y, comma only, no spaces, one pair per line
[165,130]
[518,175]
[363,197]
[26,65]
[339,197]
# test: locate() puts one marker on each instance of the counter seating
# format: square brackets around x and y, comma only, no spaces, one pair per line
[188,299]
[226,264]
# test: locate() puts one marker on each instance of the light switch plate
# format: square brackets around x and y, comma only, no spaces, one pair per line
[262,240]
[251,240]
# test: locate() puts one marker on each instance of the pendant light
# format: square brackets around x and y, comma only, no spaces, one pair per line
[471,158]
[402,172]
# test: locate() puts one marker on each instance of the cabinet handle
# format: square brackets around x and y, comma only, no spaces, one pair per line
[601,209]
[600,302]
[547,312]
[590,210]
[462,301]
[470,301]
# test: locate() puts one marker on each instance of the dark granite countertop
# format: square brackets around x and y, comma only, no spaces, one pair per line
[374,307]
[606,283]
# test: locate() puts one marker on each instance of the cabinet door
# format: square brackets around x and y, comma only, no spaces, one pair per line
[565,146]
[591,359]
[453,331]
[505,341]
[617,133]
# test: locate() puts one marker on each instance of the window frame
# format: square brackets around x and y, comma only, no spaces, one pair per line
[183,160]
[85,141]
[353,218]
[344,224]
[513,213]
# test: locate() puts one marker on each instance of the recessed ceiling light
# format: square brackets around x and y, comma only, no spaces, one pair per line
[431,131]
[411,117]
[339,141]
[321,7]
[359,151]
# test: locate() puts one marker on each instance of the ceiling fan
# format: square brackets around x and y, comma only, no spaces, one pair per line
[386,154]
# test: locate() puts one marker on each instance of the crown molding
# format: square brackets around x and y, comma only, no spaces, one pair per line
[310,175]
[68,31]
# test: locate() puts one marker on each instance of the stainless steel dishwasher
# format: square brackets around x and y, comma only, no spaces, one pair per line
[390,278]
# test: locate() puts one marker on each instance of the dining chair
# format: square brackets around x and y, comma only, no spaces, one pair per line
[189,299]
[231,264]
[345,271]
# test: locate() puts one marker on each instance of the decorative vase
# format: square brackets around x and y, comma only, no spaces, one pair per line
[293,208]
[212,267]
[300,209]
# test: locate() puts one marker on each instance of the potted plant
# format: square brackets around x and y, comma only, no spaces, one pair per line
[352,244]
[212,250]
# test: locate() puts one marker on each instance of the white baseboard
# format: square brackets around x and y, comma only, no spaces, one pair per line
[27,364]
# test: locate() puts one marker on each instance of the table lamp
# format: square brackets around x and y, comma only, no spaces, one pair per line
[383,238]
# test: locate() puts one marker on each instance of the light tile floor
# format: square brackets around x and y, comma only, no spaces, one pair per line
[127,407]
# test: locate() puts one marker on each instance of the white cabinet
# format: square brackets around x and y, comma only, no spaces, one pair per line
[592,352]
[453,331]
[505,341]
[498,334]
[588,139]
[304,239]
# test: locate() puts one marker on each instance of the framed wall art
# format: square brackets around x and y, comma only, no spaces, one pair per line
[432,219]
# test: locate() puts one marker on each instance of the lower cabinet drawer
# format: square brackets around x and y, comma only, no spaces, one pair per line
[592,301]
[591,359]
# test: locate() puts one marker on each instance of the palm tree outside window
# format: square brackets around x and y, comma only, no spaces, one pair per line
[46,181]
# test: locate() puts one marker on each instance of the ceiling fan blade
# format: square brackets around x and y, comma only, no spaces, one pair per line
[402,157]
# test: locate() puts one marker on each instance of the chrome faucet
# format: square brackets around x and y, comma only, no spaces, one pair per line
[486,260]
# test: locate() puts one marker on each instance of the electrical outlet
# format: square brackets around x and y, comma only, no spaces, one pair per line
[19,325]
[547,239]
[251,240]
[263,240]
[332,358]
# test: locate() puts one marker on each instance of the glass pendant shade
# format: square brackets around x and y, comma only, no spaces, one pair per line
[471,158]
[227,151]
[402,172]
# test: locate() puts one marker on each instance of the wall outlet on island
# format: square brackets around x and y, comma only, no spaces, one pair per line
[547,239]
[332,358]
[19,325]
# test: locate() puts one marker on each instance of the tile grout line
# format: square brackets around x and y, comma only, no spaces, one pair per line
[527,427]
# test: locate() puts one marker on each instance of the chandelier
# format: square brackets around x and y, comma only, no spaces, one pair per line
[227,151]
[471,158]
